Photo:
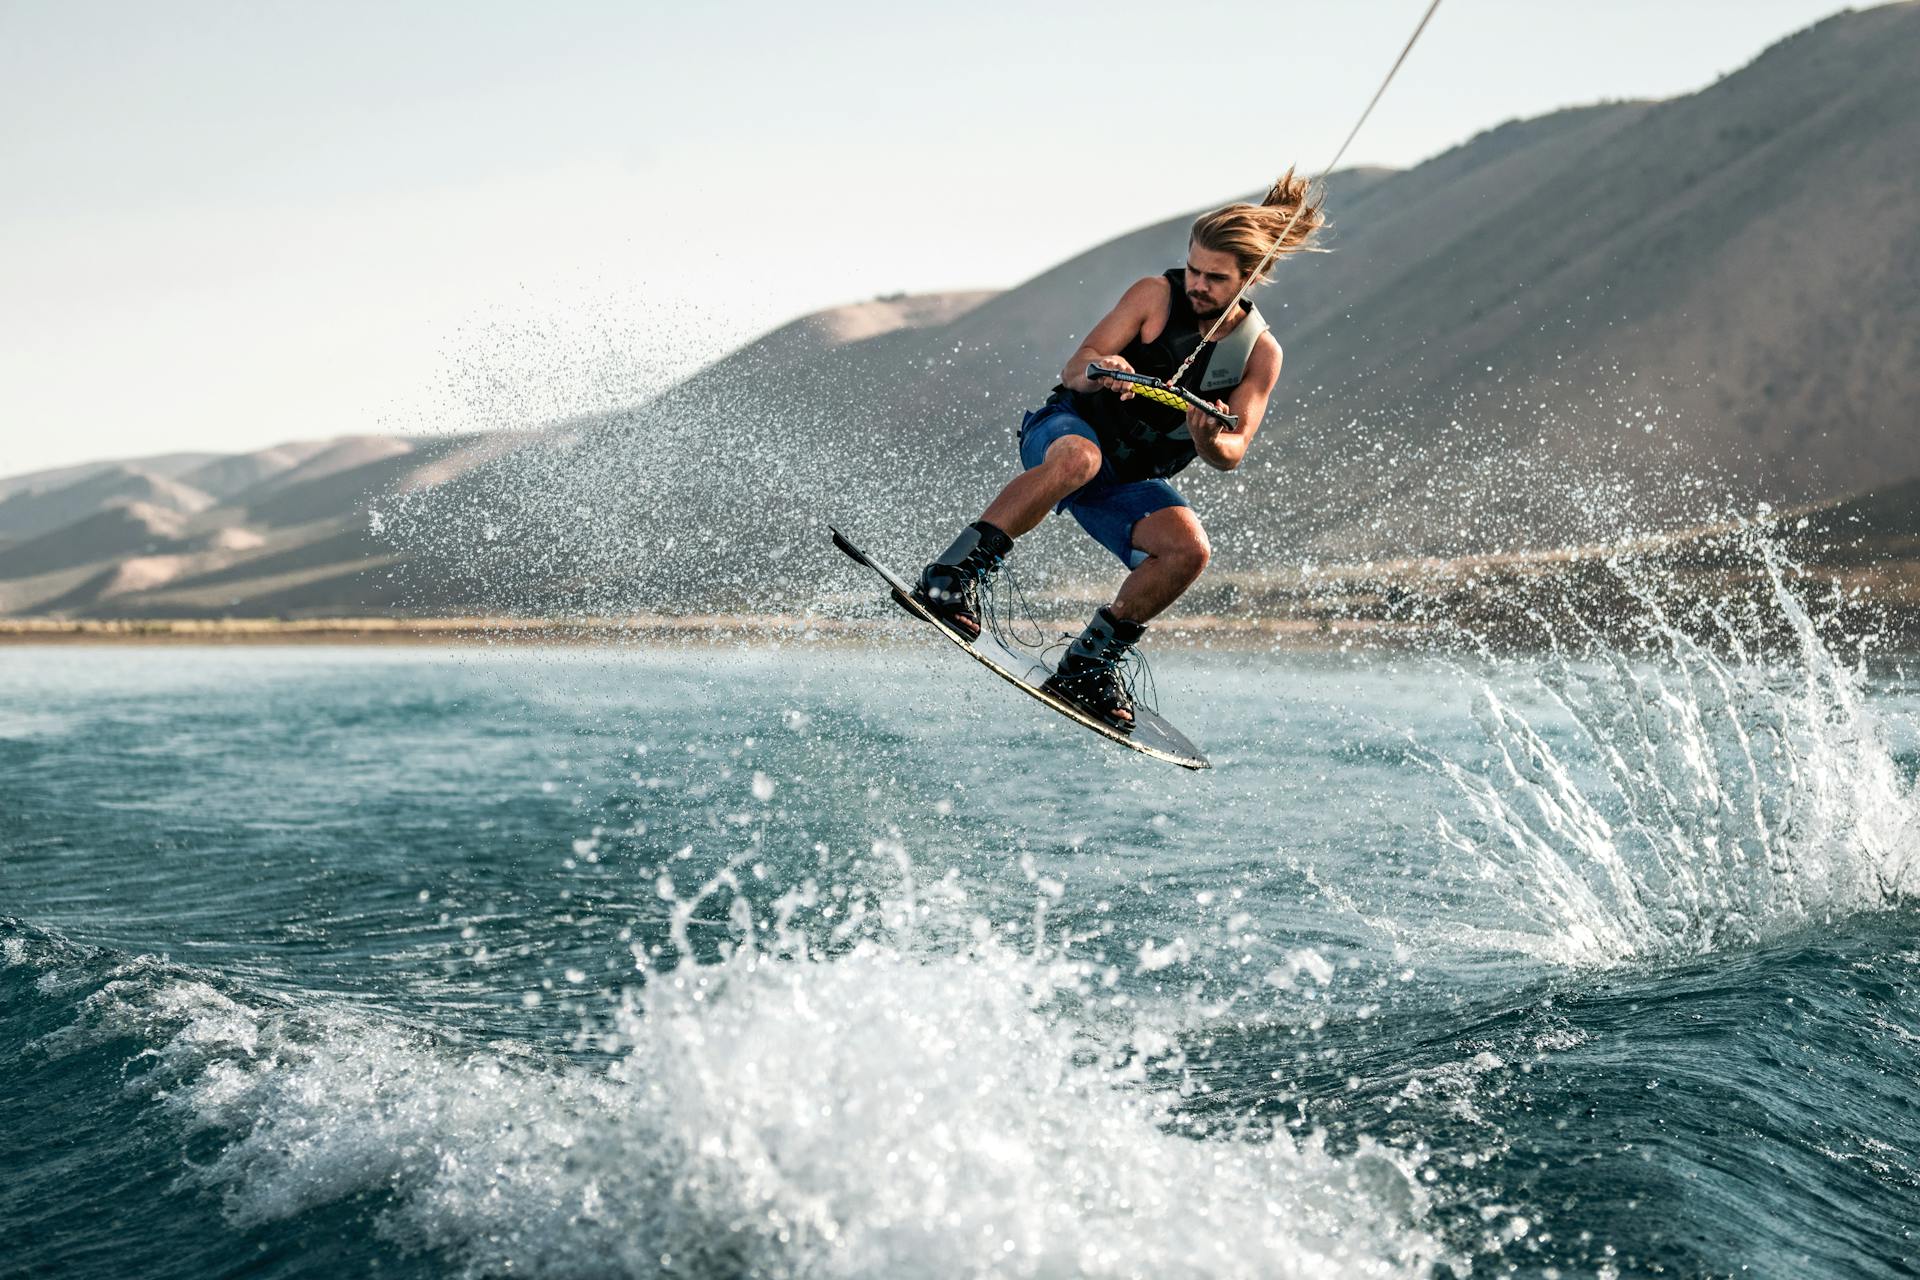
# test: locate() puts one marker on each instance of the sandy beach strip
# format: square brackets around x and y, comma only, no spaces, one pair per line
[1203,632]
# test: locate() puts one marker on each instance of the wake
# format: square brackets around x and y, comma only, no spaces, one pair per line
[1715,794]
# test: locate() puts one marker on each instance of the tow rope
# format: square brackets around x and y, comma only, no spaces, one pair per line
[1172,384]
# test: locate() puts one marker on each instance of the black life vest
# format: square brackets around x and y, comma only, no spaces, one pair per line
[1144,440]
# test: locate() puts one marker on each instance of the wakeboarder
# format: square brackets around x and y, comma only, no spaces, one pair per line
[1104,454]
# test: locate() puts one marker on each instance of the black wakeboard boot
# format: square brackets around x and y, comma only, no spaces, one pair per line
[949,588]
[1089,672]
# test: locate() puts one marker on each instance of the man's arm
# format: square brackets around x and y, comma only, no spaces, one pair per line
[1217,446]
[1142,300]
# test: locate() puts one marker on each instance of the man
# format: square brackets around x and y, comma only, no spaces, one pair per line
[1102,454]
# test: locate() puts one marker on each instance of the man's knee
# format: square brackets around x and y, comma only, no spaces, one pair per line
[1179,544]
[1073,460]
[1191,554]
[1202,551]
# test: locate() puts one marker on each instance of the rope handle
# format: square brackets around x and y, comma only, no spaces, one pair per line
[1160,393]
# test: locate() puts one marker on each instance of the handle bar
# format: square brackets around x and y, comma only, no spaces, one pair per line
[1160,393]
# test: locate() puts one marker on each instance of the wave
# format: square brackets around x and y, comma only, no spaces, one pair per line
[1711,794]
[890,1110]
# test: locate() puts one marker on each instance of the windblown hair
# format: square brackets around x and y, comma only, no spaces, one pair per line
[1250,231]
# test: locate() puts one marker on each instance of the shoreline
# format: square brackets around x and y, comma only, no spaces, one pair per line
[1202,631]
[1321,634]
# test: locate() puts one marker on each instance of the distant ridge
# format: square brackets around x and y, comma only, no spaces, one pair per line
[223,477]
[813,336]
[288,532]
[1563,331]
[28,513]
[174,466]
[336,457]
[1723,285]
[123,529]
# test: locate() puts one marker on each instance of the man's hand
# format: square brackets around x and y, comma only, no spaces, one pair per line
[1118,363]
[1201,426]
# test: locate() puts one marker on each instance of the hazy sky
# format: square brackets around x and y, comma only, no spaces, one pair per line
[226,225]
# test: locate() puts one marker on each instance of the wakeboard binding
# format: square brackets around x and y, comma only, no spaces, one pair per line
[950,587]
[1089,674]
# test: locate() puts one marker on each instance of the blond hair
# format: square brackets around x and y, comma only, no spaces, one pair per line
[1250,232]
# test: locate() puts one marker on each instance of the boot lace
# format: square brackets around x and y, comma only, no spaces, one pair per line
[1008,613]
[1123,664]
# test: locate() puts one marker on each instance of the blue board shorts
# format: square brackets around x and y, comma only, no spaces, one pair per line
[1105,508]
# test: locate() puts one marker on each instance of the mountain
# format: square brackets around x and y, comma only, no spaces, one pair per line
[333,458]
[123,529]
[173,466]
[223,476]
[291,535]
[30,512]
[1562,326]
[814,336]
[1585,328]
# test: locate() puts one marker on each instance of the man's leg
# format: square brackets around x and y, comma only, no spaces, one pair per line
[1177,551]
[950,586]
[1070,462]
[1168,549]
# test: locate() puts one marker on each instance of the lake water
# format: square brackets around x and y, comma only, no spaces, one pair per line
[839,961]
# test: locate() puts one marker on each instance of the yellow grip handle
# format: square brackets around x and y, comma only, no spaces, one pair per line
[1158,396]
[1162,393]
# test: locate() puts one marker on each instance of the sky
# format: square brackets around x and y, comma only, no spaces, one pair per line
[227,225]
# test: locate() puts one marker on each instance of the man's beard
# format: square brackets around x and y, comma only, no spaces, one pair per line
[1204,315]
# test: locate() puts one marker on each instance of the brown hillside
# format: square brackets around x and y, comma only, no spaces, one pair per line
[223,477]
[335,457]
[133,528]
[1551,335]
[1611,322]
[1723,285]
[29,513]
[174,466]
[814,336]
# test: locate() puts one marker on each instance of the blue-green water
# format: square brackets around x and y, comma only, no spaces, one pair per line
[831,961]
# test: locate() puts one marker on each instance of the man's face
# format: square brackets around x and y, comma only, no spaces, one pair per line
[1213,277]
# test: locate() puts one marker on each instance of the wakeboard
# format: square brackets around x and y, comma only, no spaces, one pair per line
[1150,735]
